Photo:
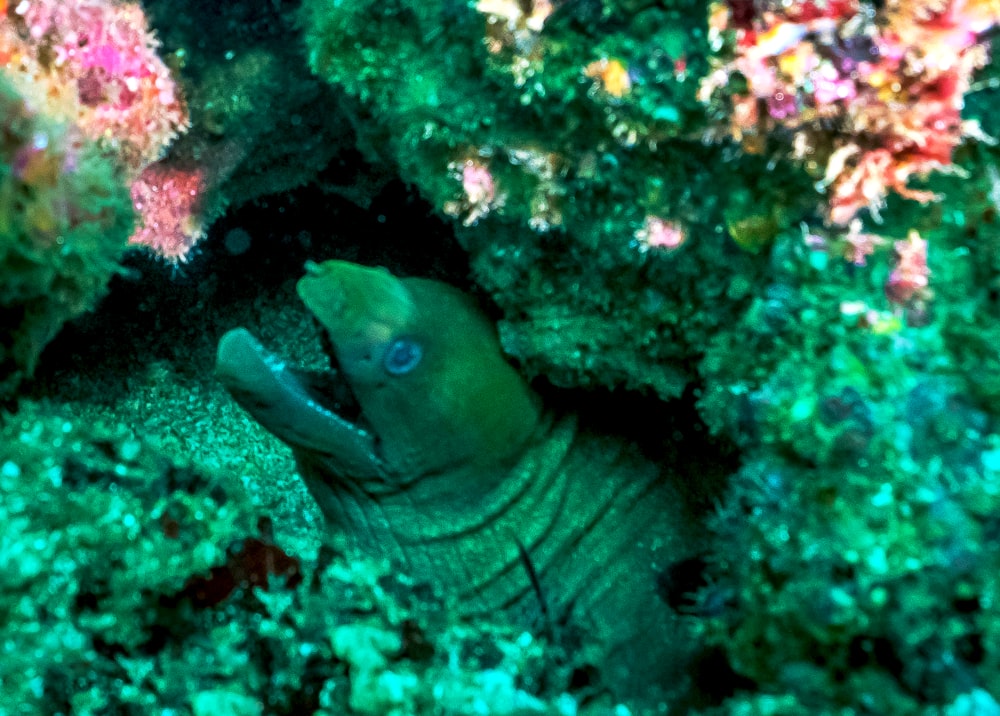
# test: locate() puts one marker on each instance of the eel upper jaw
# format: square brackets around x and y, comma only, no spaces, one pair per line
[312,411]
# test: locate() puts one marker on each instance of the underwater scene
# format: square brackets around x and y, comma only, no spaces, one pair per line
[500,357]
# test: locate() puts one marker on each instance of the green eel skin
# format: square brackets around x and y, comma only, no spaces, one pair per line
[424,446]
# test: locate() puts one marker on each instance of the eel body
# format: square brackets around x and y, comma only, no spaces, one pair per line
[424,446]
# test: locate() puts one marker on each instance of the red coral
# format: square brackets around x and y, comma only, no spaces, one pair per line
[249,564]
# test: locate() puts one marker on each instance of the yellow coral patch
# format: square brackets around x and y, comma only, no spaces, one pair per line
[612,74]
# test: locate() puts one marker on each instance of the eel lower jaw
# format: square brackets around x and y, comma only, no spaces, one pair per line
[315,411]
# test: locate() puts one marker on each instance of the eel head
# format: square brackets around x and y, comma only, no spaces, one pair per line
[417,385]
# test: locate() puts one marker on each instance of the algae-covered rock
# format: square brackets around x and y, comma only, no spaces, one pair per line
[853,566]
[134,582]
[99,535]
[261,123]
[566,143]
[65,217]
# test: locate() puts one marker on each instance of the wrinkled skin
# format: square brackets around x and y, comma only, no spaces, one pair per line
[426,447]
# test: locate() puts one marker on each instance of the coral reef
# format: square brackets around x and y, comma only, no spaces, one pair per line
[854,568]
[620,191]
[94,63]
[787,215]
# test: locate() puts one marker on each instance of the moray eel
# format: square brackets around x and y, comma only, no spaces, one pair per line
[424,446]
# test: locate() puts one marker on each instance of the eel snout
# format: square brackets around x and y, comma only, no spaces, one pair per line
[282,400]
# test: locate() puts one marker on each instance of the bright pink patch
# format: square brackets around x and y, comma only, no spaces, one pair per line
[169,202]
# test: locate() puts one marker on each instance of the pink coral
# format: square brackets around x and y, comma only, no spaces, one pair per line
[858,245]
[910,277]
[479,191]
[168,200]
[660,234]
[864,181]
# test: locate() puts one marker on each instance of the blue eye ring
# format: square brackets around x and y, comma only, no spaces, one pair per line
[402,356]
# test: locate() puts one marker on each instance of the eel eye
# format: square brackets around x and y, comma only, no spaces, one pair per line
[402,356]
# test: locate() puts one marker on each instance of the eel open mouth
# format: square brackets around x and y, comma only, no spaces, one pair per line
[311,409]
